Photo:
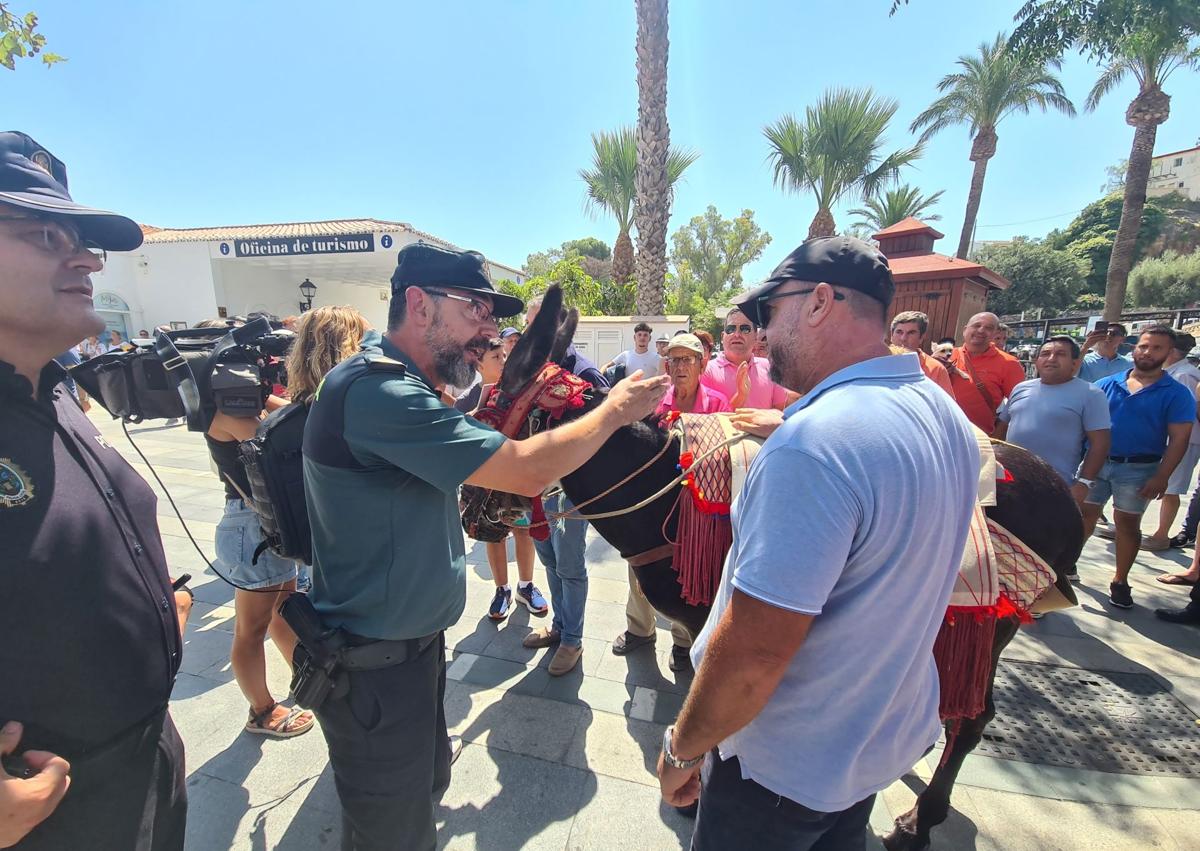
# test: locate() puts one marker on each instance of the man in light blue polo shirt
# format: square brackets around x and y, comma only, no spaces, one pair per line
[1152,416]
[1102,354]
[816,685]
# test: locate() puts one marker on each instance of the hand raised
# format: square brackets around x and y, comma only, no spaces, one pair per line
[634,398]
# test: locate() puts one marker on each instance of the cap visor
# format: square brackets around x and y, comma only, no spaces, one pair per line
[505,305]
[747,302]
[110,231]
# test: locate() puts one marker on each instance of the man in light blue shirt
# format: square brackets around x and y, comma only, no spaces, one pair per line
[1055,415]
[1102,354]
[816,685]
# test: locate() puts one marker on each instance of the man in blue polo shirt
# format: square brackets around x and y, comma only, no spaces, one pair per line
[1152,416]
[1102,354]
[816,685]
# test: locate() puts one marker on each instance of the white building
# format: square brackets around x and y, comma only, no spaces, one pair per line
[182,276]
[1178,171]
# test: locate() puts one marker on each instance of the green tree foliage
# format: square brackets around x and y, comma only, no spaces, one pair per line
[19,38]
[1091,234]
[895,205]
[1172,280]
[1049,28]
[1041,276]
[708,256]
[1114,176]
[580,290]
[836,151]
[1086,303]
[588,246]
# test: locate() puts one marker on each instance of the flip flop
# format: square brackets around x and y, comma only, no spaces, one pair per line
[1175,579]
[297,722]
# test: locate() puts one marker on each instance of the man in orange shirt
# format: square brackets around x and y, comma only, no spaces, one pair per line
[990,373]
[908,332]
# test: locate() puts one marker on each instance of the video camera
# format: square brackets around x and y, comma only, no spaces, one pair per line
[190,373]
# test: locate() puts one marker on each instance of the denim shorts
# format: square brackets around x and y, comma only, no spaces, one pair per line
[1122,482]
[238,536]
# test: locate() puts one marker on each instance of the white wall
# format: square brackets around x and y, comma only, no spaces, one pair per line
[602,338]
[161,283]
[1165,176]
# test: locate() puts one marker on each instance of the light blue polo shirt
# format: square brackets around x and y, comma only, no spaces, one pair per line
[1139,420]
[856,512]
[1051,420]
[1096,366]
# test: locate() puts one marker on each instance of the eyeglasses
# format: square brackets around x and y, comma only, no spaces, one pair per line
[56,238]
[740,329]
[764,302]
[480,312]
[687,360]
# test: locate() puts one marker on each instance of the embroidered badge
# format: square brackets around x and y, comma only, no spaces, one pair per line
[16,488]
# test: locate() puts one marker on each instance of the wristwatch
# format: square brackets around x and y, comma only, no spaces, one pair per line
[673,760]
[1083,481]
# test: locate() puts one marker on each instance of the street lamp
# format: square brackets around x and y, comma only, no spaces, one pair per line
[307,290]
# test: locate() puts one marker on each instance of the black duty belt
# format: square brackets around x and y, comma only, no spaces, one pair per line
[367,654]
[1135,459]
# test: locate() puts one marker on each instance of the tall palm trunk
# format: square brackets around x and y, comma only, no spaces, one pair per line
[822,224]
[982,150]
[1148,110]
[622,266]
[652,203]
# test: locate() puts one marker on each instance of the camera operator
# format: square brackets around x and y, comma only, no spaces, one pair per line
[383,461]
[90,628]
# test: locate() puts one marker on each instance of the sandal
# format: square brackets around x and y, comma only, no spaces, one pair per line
[1175,579]
[297,722]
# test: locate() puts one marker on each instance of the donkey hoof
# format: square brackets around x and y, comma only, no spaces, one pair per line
[901,840]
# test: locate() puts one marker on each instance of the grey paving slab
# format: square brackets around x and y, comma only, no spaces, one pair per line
[623,815]
[617,746]
[518,723]
[959,831]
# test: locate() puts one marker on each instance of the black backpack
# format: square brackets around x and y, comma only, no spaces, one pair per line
[274,465]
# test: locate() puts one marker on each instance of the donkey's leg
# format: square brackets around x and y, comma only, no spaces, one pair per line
[912,829]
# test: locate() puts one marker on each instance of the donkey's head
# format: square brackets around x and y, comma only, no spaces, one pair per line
[545,340]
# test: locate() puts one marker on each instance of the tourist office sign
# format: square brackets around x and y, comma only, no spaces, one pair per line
[351,243]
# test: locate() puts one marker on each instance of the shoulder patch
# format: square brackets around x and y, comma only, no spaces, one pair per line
[16,488]
[382,363]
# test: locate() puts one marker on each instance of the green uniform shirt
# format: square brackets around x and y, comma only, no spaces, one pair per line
[388,555]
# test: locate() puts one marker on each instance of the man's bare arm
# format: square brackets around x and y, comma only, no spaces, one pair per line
[747,656]
[1099,441]
[528,467]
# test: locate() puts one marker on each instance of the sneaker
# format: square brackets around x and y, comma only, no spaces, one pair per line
[501,604]
[627,642]
[1120,595]
[681,660]
[533,599]
[1155,545]
[1182,540]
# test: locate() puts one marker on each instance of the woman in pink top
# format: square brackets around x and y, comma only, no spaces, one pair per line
[687,394]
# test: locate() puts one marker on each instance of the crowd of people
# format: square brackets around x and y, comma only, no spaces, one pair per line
[805,704]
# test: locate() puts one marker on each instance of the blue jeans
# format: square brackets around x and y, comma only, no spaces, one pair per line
[737,813]
[566,573]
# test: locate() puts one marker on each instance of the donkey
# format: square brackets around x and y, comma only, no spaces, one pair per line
[1034,503]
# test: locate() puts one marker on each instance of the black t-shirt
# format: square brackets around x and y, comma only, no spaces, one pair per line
[89,638]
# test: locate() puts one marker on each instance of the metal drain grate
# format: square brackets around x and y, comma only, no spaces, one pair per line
[1101,720]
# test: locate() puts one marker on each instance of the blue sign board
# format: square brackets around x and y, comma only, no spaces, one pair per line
[354,243]
[386,240]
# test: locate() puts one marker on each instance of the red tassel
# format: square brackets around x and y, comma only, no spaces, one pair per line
[538,529]
[701,544]
[963,652]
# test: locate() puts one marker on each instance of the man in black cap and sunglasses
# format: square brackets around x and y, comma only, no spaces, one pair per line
[89,621]
[815,683]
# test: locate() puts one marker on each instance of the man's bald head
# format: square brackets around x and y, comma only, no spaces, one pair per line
[979,332]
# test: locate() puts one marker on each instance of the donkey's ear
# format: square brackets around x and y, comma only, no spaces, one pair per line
[564,336]
[532,351]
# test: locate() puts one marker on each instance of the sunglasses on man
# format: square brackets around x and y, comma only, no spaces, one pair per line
[764,302]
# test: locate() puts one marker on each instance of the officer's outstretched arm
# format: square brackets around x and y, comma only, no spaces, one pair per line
[528,467]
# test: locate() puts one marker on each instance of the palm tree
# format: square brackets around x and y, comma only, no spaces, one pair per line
[612,186]
[885,209]
[652,207]
[990,87]
[1150,58]
[835,151]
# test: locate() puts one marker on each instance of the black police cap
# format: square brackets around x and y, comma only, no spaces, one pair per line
[424,265]
[837,260]
[34,179]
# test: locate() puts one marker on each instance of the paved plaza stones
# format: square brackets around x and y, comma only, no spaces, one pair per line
[568,763]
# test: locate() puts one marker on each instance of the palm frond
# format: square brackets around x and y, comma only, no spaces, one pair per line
[1112,76]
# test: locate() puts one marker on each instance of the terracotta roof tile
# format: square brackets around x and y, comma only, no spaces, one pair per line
[929,266]
[334,227]
[907,226]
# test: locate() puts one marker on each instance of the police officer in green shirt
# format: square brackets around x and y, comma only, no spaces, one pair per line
[383,461]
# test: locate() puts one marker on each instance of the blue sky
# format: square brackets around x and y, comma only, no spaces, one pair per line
[471,119]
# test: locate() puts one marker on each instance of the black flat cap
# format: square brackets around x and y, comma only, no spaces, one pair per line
[838,260]
[36,180]
[424,265]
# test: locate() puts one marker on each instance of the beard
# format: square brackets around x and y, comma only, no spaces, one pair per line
[1148,364]
[449,358]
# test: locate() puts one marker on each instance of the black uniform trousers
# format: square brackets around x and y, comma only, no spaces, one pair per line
[390,753]
[128,796]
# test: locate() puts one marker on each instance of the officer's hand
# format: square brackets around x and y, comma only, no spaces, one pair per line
[183,608]
[759,422]
[24,804]
[635,398]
